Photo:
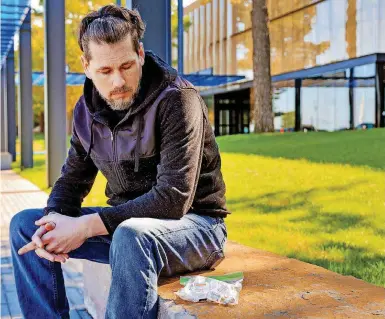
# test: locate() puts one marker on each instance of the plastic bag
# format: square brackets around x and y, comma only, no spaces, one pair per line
[220,289]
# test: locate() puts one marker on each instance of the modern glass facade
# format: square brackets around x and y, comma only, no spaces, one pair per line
[305,35]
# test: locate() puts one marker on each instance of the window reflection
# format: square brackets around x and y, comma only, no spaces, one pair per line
[284,105]
[303,33]
[325,102]
[244,54]
[364,96]
[241,10]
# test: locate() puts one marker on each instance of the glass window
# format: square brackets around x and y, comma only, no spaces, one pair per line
[298,41]
[368,70]
[322,33]
[280,7]
[381,27]
[202,39]
[244,54]
[196,40]
[364,95]
[208,35]
[351,28]
[310,37]
[325,102]
[276,52]
[284,105]
[287,43]
[366,30]
[241,15]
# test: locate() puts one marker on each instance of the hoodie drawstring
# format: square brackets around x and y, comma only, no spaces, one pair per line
[91,142]
[138,144]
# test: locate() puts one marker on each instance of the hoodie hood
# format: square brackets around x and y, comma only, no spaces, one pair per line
[156,76]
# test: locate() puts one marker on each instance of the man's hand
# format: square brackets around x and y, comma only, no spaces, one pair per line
[69,233]
[37,245]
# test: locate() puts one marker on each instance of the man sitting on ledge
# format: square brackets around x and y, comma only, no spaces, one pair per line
[146,129]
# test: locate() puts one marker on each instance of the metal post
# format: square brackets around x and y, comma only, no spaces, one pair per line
[3,123]
[54,88]
[180,36]
[380,94]
[298,84]
[351,98]
[11,104]
[25,93]
[217,114]
[158,26]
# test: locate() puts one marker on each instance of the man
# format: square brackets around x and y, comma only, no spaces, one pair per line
[146,129]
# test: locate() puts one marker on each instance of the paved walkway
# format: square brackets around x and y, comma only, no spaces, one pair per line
[17,194]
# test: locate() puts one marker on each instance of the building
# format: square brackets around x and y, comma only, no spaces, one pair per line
[327,62]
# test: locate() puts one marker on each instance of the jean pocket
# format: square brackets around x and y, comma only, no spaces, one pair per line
[215,258]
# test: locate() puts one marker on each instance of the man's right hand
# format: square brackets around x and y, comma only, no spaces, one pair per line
[37,245]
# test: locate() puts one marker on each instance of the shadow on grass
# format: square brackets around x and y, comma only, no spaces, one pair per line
[356,261]
[284,201]
[329,222]
[356,148]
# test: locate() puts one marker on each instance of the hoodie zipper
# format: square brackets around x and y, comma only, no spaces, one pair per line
[115,159]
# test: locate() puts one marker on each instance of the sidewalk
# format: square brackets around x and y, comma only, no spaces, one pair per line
[17,194]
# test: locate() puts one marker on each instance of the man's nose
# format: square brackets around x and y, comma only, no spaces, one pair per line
[118,80]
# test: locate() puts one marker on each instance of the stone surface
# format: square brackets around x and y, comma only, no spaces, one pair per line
[5,161]
[279,287]
[97,281]
[274,287]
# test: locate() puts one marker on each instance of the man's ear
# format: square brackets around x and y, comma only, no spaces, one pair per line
[85,64]
[141,54]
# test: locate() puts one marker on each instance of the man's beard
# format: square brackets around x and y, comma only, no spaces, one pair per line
[121,104]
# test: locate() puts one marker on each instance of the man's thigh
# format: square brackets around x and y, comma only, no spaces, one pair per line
[191,243]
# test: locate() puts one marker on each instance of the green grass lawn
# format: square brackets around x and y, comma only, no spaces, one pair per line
[317,197]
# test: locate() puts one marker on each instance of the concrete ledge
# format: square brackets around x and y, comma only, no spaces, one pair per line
[5,160]
[274,287]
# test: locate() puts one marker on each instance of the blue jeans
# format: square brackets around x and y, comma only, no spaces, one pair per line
[140,250]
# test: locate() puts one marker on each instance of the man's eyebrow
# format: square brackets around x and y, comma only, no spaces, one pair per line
[108,67]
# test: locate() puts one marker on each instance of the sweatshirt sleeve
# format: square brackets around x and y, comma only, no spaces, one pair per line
[75,182]
[181,121]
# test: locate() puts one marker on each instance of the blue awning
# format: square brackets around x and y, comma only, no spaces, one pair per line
[12,15]
[195,79]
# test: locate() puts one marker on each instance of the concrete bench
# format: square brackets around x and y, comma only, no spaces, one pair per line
[274,287]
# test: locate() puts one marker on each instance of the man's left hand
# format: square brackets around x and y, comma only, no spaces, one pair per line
[68,234]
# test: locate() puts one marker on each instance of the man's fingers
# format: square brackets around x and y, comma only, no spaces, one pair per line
[36,238]
[50,226]
[44,254]
[42,220]
[47,238]
[51,257]
[30,246]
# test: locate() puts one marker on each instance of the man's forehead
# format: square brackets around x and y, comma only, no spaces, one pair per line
[112,53]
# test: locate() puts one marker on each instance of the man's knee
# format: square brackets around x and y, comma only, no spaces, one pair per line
[132,231]
[24,223]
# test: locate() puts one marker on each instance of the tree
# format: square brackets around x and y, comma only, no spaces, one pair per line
[263,112]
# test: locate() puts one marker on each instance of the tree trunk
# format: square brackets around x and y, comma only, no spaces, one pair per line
[69,123]
[263,111]
[41,122]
